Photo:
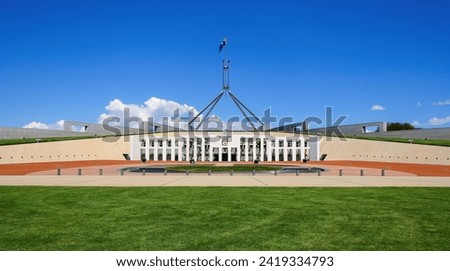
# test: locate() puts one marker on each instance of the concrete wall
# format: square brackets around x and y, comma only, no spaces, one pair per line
[73,150]
[99,129]
[349,130]
[368,150]
[436,133]
[91,129]
[10,133]
[358,130]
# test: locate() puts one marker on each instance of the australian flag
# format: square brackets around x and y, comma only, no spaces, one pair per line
[222,44]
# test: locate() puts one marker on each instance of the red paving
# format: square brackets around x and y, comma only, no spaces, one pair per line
[416,169]
[23,169]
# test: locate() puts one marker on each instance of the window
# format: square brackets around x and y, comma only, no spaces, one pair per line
[370,129]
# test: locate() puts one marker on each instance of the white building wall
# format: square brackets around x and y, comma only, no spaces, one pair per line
[228,147]
[218,147]
[314,152]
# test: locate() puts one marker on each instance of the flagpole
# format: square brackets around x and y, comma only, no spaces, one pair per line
[225,67]
[225,89]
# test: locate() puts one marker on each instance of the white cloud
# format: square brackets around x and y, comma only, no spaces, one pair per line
[36,125]
[154,107]
[415,123]
[59,125]
[446,102]
[158,109]
[419,104]
[377,107]
[39,125]
[439,121]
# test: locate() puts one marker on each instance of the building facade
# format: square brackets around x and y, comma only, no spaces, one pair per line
[219,146]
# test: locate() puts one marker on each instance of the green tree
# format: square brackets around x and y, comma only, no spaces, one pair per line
[397,126]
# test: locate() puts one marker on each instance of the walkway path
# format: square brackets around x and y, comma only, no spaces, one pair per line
[226,180]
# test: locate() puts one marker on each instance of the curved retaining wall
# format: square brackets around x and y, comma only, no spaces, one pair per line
[335,148]
[380,151]
[83,149]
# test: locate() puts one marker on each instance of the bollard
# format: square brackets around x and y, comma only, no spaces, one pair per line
[383,173]
[362,172]
[253,172]
[187,172]
[165,172]
[100,172]
[58,171]
[340,172]
[275,173]
[79,172]
[121,172]
[231,172]
[296,172]
[318,172]
[209,172]
[143,172]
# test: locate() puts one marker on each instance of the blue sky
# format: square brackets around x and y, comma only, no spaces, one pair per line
[67,60]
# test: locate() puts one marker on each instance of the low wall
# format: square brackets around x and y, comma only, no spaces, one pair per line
[358,130]
[83,149]
[10,133]
[436,133]
[369,150]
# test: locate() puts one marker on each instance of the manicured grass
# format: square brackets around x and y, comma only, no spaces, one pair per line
[435,142]
[4,142]
[214,218]
[213,168]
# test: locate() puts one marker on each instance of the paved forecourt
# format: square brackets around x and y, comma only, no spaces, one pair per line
[226,180]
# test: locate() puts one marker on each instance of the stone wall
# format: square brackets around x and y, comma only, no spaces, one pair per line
[436,133]
[380,151]
[14,133]
[72,150]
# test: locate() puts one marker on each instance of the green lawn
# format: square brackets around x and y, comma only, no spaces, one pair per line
[17,141]
[214,218]
[434,142]
[213,168]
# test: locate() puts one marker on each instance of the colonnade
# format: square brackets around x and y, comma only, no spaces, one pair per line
[221,148]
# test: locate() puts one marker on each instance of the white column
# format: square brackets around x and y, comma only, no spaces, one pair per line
[238,155]
[229,153]
[269,149]
[147,148]
[220,153]
[285,154]
[294,150]
[261,151]
[246,148]
[254,149]
[203,149]
[302,149]
[155,149]
[187,149]
[164,149]
[180,148]
[195,149]
[210,152]
[277,150]
[172,149]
